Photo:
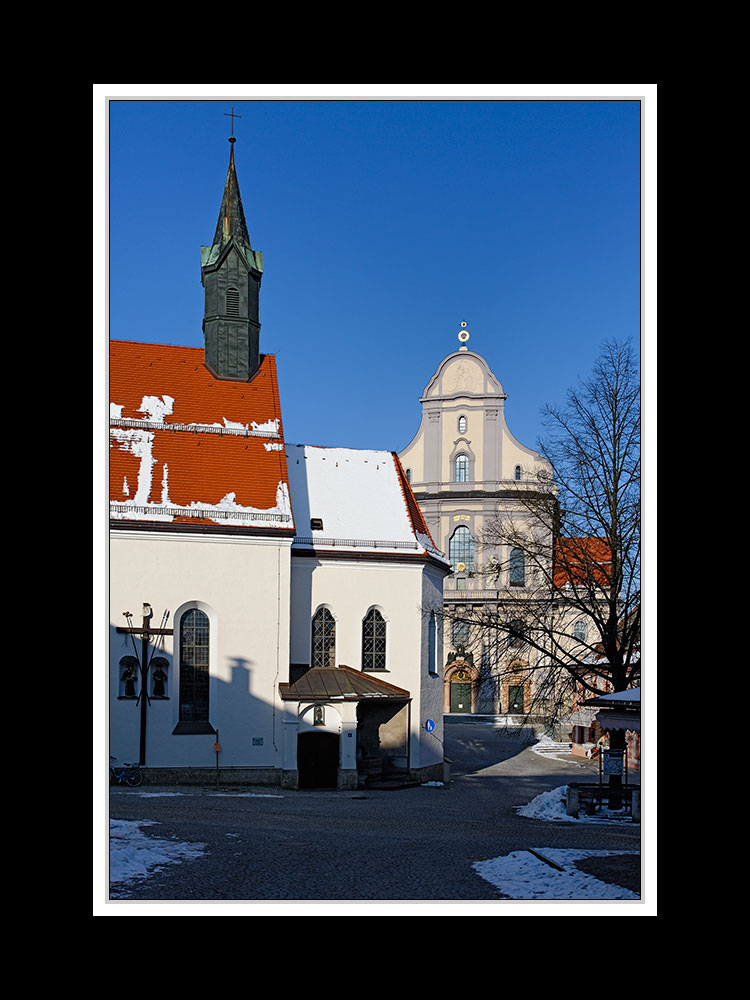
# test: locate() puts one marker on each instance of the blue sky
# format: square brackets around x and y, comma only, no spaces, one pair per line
[383,224]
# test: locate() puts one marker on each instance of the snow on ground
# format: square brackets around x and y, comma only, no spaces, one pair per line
[133,854]
[523,875]
[518,875]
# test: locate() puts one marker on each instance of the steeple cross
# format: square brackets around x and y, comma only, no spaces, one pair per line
[232,115]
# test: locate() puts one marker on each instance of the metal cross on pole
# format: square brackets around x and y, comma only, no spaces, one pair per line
[145,632]
[232,115]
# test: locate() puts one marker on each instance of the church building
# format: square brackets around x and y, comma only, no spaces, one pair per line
[268,621]
[468,471]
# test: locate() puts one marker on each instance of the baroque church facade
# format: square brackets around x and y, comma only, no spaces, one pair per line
[267,599]
[468,472]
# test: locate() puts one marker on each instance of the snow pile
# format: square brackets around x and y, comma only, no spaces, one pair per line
[134,855]
[551,806]
[523,875]
[548,805]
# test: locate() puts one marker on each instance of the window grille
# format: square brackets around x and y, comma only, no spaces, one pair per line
[462,469]
[373,641]
[323,639]
[194,666]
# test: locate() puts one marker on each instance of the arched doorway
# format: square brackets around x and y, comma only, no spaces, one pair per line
[318,760]
[459,684]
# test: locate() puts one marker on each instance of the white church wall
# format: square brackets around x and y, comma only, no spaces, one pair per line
[349,589]
[242,584]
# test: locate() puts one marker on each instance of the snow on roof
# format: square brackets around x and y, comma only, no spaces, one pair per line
[354,498]
[187,447]
[632,694]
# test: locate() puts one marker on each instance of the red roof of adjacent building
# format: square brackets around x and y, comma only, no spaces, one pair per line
[188,447]
[581,561]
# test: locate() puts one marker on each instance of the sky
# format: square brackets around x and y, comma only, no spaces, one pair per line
[384,222]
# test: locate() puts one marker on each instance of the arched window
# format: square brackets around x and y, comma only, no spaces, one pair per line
[194,666]
[517,568]
[323,639]
[462,425]
[461,548]
[408,475]
[580,631]
[462,469]
[432,644]
[373,641]
[518,472]
[233,302]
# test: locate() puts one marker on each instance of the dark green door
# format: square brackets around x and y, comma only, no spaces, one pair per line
[515,700]
[460,697]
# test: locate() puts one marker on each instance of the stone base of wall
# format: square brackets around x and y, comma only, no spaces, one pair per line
[269,776]
[347,778]
[435,772]
[210,776]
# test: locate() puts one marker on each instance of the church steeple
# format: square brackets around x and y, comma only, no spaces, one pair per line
[231,273]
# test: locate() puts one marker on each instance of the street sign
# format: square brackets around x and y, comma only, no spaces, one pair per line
[612,761]
[430,726]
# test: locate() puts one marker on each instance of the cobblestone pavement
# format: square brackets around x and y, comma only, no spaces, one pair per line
[411,844]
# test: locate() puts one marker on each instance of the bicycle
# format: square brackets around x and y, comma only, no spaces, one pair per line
[130,774]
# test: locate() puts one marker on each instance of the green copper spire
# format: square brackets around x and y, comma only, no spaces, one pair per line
[231,215]
[231,272]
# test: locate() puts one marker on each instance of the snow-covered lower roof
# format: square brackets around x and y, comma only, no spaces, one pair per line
[346,498]
[618,697]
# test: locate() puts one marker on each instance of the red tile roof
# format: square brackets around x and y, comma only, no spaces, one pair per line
[581,561]
[416,517]
[182,441]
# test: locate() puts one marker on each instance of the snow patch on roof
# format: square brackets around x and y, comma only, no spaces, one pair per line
[156,408]
[356,494]
[226,510]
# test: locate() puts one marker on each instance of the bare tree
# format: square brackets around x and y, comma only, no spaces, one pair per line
[564,557]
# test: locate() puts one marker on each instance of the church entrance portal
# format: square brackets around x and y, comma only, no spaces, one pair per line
[318,760]
[460,696]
